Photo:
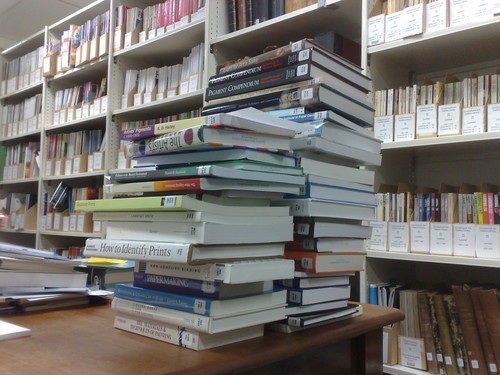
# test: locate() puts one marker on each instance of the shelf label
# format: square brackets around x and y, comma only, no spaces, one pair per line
[411,352]
[151,34]
[128,40]
[449,119]
[68,167]
[98,161]
[473,120]
[441,238]
[481,9]
[57,221]
[147,98]
[436,13]
[426,121]
[378,240]
[404,127]
[49,221]
[488,241]
[399,237]
[56,118]
[65,224]
[494,117]
[193,82]
[104,104]
[383,128]
[464,240]
[142,36]
[376,30]
[183,87]
[160,31]
[138,99]
[57,168]
[394,26]
[459,11]
[420,236]
[78,114]
[413,20]
[71,114]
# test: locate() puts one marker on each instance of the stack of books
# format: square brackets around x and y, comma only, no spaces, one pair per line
[34,280]
[316,88]
[207,242]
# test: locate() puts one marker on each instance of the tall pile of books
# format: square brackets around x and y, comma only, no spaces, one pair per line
[207,242]
[312,86]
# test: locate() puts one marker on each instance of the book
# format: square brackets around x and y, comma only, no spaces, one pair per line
[184,253]
[11,331]
[340,183]
[445,335]
[314,282]
[326,244]
[200,184]
[309,296]
[196,322]
[436,334]
[189,217]
[311,319]
[236,272]
[293,309]
[329,208]
[199,288]
[174,203]
[320,145]
[336,193]
[215,155]
[470,330]
[426,331]
[491,309]
[15,278]
[43,265]
[327,116]
[323,227]
[203,306]
[456,334]
[181,336]
[203,137]
[200,233]
[326,262]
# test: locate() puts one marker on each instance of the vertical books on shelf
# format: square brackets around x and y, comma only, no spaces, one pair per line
[22,72]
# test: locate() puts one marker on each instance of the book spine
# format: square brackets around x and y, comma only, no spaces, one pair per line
[161,174]
[204,272]
[153,251]
[456,335]
[426,332]
[162,299]
[171,284]
[185,184]
[159,314]
[137,133]
[171,334]
[282,76]
[175,141]
[491,308]
[232,15]
[445,335]
[436,334]
[272,64]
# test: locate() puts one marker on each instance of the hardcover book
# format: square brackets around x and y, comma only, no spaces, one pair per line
[326,262]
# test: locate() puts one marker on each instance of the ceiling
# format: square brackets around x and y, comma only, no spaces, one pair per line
[22,18]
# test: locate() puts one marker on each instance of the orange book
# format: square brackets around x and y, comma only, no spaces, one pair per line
[313,262]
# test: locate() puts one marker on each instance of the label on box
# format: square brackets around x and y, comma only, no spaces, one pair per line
[411,352]
[103,41]
[78,57]
[147,98]
[404,127]
[193,82]
[65,224]
[90,164]
[473,120]
[46,64]
[117,42]
[57,221]
[436,16]
[481,9]
[48,221]
[98,162]
[151,34]
[137,99]
[91,109]
[183,87]
[394,26]
[85,110]
[459,11]
[420,236]
[68,167]
[383,128]
[449,119]
[72,223]
[413,20]
[399,237]
[56,118]
[184,20]
[71,114]
[122,160]
[464,240]
[171,93]
[441,238]
[80,222]
[160,31]
[104,104]
[426,120]
[97,106]
[96,227]
[378,240]
[78,114]
[128,40]
[93,49]
[57,168]
[124,101]
[48,168]
[62,116]
[84,53]
[493,117]
[496,10]
[142,36]
[76,165]
[488,241]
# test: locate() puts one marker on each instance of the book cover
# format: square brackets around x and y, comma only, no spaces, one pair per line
[324,262]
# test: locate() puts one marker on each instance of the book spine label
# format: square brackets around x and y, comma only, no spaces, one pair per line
[162,299]
[176,253]
[205,170]
[137,133]
[262,67]
[206,272]
[197,288]
[272,78]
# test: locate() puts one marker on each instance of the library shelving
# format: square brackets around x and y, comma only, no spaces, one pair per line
[461,50]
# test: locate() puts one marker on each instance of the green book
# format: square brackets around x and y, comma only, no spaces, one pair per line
[175,203]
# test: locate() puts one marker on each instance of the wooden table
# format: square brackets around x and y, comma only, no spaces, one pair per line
[83,341]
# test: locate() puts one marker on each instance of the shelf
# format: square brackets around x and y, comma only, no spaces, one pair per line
[74,176]
[70,234]
[445,48]
[161,49]
[20,181]
[403,370]
[25,92]
[429,258]
[90,122]
[25,46]
[342,16]
[92,70]
[20,231]
[31,134]
[177,104]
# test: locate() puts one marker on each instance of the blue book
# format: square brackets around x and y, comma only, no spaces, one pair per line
[421,207]
[199,288]
[373,294]
[203,306]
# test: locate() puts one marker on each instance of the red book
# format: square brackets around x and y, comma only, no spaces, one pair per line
[326,262]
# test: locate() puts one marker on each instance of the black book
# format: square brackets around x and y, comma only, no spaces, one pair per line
[277,8]
[232,15]
[260,11]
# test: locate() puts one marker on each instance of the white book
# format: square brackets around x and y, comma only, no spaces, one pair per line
[15,278]
[196,322]
[12,331]
[327,208]
[318,295]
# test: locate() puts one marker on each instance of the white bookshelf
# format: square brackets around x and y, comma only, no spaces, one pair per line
[402,370]
[25,92]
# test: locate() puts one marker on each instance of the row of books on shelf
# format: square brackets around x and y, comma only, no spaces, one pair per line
[22,72]
[136,25]
[17,128]
[448,204]
[451,330]
[21,160]
[19,211]
[147,85]
[21,117]
[67,145]
[466,240]
[391,20]
[59,210]
[80,102]
[83,163]
[77,45]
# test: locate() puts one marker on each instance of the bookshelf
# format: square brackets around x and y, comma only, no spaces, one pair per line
[460,50]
